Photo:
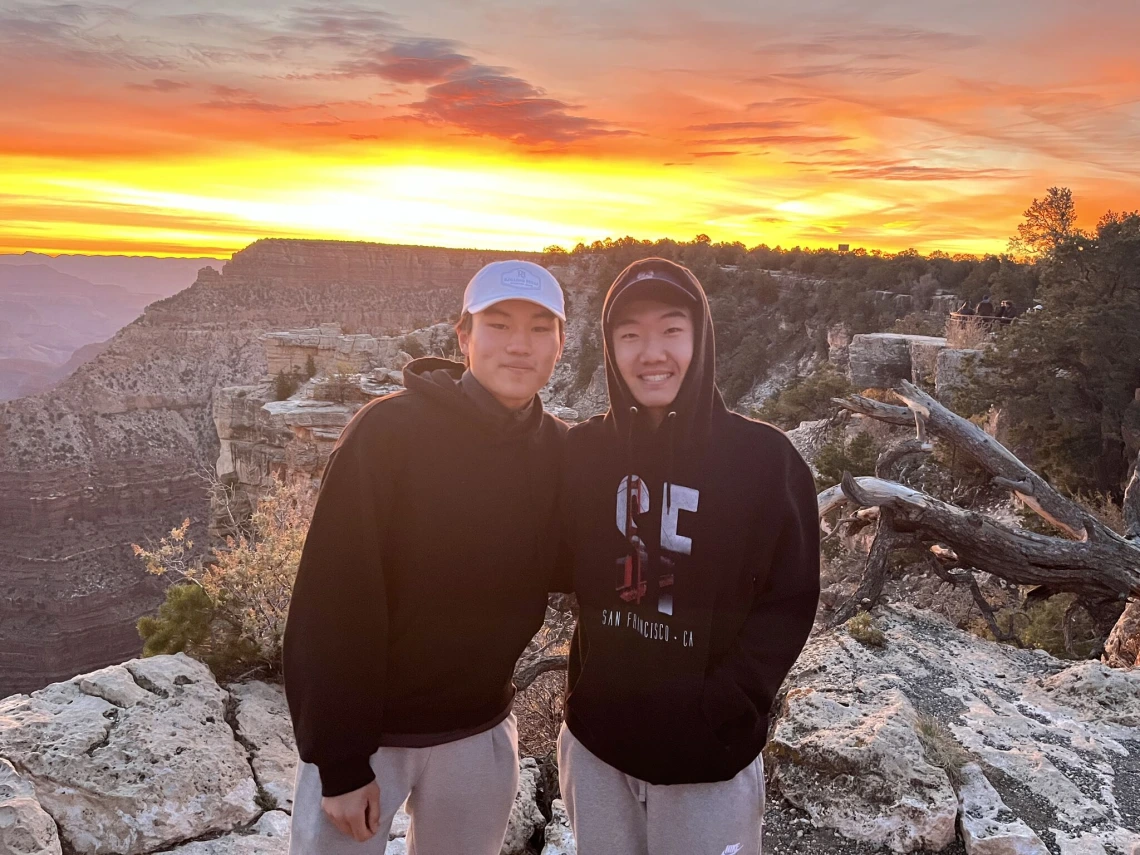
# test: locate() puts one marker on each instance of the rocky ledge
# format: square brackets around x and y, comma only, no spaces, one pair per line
[934,741]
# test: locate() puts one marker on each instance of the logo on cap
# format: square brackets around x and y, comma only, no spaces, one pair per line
[521,280]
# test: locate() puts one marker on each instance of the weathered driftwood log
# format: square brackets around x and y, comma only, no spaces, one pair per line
[1006,470]
[887,539]
[1093,561]
[1099,568]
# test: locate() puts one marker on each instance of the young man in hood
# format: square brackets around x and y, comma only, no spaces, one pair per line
[695,598]
[421,581]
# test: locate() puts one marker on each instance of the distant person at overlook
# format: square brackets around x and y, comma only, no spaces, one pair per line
[1006,311]
[965,309]
[985,309]
[423,577]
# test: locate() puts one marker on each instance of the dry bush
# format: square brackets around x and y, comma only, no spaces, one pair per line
[235,620]
[1102,506]
[941,748]
[538,705]
[967,333]
[538,709]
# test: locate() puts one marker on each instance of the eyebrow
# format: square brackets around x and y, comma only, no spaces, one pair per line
[672,313]
[540,315]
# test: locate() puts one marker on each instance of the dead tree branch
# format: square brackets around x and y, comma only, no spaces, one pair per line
[887,540]
[1099,568]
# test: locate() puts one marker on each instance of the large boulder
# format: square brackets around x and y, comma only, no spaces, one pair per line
[132,758]
[855,763]
[1058,742]
[952,371]
[1122,650]
[881,360]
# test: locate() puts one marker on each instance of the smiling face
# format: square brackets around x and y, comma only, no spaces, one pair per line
[653,346]
[511,348]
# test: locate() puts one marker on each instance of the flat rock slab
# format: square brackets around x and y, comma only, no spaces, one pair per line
[988,826]
[263,723]
[268,836]
[133,758]
[1058,741]
[855,763]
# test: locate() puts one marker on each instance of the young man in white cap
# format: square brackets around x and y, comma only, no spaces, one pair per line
[423,577]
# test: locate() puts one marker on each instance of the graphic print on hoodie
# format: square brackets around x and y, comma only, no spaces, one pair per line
[694,552]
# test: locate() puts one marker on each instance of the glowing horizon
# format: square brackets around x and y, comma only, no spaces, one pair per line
[194,129]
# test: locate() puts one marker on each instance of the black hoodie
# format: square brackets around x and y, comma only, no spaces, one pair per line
[690,619]
[424,573]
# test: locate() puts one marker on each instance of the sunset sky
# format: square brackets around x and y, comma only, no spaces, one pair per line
[193,127]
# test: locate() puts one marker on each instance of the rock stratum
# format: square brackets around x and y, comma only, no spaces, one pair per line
[117,452]
[936,741]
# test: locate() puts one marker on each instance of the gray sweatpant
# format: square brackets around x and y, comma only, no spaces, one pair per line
[459,797]
[614,814]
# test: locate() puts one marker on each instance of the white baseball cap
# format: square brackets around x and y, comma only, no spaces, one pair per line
[514,280]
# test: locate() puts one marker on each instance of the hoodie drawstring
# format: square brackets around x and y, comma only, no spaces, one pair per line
[671,419]
[629,510]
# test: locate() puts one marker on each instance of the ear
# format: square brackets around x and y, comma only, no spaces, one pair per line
[464,336]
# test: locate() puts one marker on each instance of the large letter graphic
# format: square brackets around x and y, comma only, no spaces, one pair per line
[680,499]
[632,498]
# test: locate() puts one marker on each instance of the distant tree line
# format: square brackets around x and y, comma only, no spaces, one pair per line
[761,320]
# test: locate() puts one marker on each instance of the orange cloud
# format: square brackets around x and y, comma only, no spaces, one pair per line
[165,125]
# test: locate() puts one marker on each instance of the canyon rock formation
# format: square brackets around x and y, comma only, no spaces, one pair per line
[118,452]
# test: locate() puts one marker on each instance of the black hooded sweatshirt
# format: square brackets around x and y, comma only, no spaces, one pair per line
[424,572]
[698,596]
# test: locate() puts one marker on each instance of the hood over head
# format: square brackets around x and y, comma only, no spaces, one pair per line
[698,397]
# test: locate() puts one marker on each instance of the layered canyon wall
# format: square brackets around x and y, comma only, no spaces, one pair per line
[118,452]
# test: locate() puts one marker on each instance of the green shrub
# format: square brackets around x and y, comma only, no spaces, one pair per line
[863,629]
[189,622]
[857,456]
[285,385]
[1040,625]
[229,610]
[806,399]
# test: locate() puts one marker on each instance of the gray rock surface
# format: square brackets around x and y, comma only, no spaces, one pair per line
[525,816]
[559,839]
[1057,741]
[25,827]
[988,826]
[264,725]
[131,758]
